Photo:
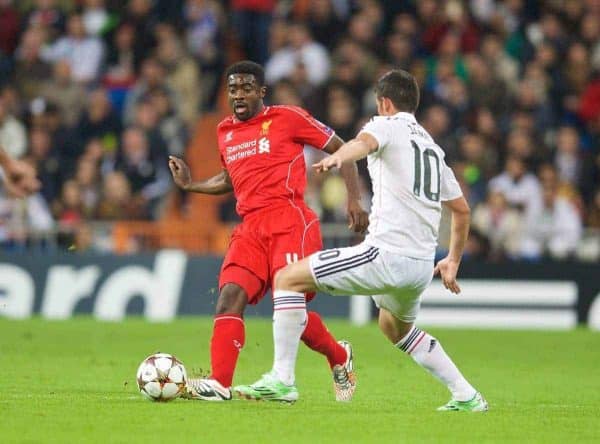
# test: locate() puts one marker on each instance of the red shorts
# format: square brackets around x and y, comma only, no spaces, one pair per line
[267,241]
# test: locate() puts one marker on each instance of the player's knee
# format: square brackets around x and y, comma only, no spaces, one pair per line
[232,300]
[393,328]
[282,279]
[385,324]
[295,277]
[287,279]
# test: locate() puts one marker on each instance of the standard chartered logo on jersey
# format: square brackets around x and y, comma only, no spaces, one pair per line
[247,149]
[264,146]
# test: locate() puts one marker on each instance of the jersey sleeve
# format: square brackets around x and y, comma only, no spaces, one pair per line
[306,129]
[449,187]
[379,129]
[220,144]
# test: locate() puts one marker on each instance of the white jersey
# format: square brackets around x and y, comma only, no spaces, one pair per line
[410,180]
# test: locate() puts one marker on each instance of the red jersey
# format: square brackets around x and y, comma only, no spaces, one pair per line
[265,155]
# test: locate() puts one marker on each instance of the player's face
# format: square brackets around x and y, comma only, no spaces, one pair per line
[245,95]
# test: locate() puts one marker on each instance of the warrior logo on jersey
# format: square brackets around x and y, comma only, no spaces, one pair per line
[229,136]
[264,129]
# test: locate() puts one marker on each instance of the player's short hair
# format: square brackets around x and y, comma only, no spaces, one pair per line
[247,67]
[401,88]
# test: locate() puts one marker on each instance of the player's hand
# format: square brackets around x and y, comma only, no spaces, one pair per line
[328,163]
[358,218]
[20,179]
[447,269]
[180,172]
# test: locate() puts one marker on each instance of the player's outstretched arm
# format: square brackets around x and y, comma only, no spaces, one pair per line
[448,267]
[219,184]
[351,151]
[358,217]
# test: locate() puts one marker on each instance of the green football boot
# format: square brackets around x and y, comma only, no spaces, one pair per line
[477,404]
[268,388]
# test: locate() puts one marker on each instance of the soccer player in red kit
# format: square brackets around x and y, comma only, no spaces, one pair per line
[261,151]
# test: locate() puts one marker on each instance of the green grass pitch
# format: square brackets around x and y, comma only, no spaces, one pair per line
[74,382]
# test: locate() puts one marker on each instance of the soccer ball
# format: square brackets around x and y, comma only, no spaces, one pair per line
[161,377]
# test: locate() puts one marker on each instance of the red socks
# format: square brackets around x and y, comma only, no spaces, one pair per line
[317,337]
[225,346]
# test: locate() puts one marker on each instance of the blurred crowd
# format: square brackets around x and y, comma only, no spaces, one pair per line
[97,93]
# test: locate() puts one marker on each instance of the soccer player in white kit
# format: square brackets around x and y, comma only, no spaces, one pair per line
[395,263]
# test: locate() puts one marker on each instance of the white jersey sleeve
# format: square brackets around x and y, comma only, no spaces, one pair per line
[450,189]
[379,128]
[410,180]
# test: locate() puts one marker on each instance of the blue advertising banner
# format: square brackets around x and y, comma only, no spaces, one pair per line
[171,283]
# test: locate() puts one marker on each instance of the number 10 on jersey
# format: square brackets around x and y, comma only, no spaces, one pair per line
[424,173]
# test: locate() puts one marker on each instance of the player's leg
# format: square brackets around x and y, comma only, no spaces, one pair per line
[225,345]
[326,270]
[306,240]
[228,332]
[339,354]
[302,277]
[241,281]
[316,336]
[429,354]
[291,241]
[293,281]
[288,312]
[289,321]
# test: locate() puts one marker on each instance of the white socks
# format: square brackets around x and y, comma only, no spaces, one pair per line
[428,353]
[289,322]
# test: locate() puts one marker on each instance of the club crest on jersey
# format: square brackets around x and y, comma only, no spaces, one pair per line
[264,129]
[229,136]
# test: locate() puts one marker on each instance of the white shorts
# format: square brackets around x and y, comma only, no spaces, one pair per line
[394,282]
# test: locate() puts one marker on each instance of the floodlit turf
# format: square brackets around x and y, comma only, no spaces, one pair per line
[74,382]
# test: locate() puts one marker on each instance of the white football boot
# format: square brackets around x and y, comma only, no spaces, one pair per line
[207,389]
